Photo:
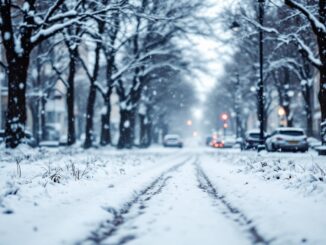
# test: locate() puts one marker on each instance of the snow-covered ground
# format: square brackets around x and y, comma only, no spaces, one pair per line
[161,196]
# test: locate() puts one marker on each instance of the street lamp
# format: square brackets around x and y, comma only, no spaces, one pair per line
[237,106]
[224,117]
[260,92]
[235,26]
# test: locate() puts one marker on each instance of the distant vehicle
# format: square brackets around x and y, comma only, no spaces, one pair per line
[2,135]
[313,142]
[49,143]
[252,139]
[172,140]
[215,143]
[229,141]
[28,139]
[209,140]
[287,139]
[239,143]
[51,132]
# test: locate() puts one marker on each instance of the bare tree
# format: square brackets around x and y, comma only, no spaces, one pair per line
[24,26]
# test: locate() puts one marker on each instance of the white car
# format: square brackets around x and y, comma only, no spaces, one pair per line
[172,140]
[229,141]
[287,139]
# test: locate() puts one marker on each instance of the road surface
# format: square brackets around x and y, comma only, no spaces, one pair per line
[186,205]
[167,196]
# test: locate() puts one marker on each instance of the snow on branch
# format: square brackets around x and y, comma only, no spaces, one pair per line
[260,27]
[287,38]
[308,52]
[318,27]
[101,89]
[44,33]
[52,23]
[289,63]
[52,10]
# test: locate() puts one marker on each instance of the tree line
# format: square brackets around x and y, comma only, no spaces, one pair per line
[294,60]
[134,48]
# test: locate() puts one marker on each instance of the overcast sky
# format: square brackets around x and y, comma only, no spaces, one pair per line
[214,51]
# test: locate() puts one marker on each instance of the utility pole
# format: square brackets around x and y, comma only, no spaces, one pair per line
[260,92]
[237,106]
[1,95]
[0,102]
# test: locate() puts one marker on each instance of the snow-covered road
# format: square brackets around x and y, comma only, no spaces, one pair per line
[174,209]
[163,196]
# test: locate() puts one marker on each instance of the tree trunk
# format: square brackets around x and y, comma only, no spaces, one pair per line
[307,93]
[43,119]
[125,129]
[16,112]
[309,120]
[34,106]
[106,120]
[322,101]
[132,126]
[89,134]
[149,134]
[286,98]
[143,131]
[321,39]
[71,133]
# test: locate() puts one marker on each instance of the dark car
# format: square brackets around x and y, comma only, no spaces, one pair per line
[2,135]
[209,140]
[28,139]
[251,140]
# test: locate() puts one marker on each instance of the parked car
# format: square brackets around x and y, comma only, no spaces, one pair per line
[2,136]
[28,139]
[209,140]
[229,141]
[287,139]
[251,140]
[49,143]
[172,140]
[313,143]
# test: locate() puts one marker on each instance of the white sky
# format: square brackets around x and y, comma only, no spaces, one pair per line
[214,51]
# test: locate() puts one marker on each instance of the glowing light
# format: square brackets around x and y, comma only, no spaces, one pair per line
[224,116]
[197,113]
[189,122]
[281,111]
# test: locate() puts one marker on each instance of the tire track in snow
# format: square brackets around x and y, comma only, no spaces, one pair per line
[228,209]
[110,227]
